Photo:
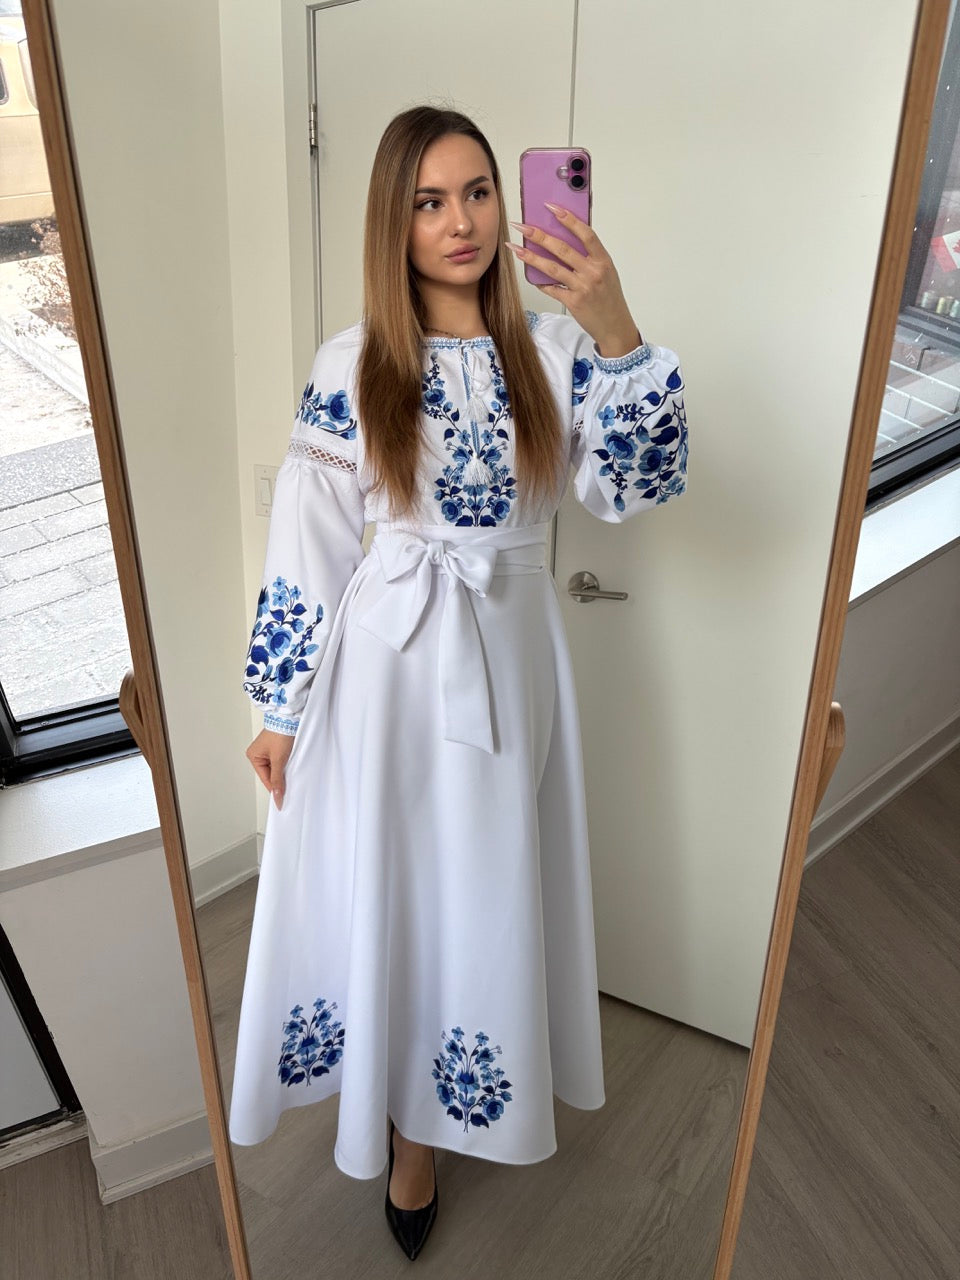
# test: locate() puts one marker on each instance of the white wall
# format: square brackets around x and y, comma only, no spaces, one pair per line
[91,921]
[898,683]
[85,901]
[147,130]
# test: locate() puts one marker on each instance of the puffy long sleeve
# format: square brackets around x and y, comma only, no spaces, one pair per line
[314,545]
[628,442]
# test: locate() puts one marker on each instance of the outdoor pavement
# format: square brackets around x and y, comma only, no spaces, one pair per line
[63,639]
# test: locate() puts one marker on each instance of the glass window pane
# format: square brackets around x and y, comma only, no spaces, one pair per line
[63,640]
[923,383]
[923,389]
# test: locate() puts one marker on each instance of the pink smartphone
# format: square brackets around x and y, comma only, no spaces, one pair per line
[562,176]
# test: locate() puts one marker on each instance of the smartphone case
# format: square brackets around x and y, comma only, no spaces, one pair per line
[541,180]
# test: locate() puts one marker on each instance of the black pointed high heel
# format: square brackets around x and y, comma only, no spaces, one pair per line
[410,1227]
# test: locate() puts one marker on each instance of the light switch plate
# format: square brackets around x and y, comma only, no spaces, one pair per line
[263,481]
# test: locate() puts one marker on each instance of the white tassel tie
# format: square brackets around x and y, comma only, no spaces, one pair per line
[476,472]
[477,410]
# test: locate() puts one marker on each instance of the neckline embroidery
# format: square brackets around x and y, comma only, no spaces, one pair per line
[533,319]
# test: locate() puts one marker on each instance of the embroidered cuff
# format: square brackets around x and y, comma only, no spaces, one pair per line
[280,724]
[623,364]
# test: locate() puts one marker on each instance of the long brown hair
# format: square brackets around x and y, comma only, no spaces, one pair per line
[390,371]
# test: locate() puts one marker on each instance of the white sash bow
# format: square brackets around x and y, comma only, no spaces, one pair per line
[408,561]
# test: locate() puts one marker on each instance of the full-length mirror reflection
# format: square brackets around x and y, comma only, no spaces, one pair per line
[709,145]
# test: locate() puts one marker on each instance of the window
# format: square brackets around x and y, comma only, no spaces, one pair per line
[63,639]
[919,429]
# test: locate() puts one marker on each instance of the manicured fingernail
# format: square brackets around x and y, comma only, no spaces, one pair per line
[555,208]
[521,226]
[515,247]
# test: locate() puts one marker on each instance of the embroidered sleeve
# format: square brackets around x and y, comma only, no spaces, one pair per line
[299,448]
[314,546]
[628,440]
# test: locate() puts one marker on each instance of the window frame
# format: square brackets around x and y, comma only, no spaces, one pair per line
[69,738]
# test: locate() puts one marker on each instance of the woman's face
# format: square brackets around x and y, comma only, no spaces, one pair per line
[455,206]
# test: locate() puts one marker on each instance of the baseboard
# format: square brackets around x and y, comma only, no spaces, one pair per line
[224,870]
[870,797]
[129,1167]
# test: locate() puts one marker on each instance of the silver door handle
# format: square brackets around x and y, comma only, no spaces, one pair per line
[585,586]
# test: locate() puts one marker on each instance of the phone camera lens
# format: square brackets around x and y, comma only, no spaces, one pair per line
[578,164]
[577,181]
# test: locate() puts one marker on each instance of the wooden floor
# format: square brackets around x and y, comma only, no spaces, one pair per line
[856,1171]
[53,1226]
[855,1174]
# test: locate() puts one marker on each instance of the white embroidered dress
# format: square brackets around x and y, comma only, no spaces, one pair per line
[423,935]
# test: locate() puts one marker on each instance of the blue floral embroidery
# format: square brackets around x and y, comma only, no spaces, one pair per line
[470,1080]
[657,451]
[310,1048]
[582,372]
[463,503]
[436,403]
[500,408]
[280,618]
[332,414]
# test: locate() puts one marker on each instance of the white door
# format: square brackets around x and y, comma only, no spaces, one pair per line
[384,56]
[712,160]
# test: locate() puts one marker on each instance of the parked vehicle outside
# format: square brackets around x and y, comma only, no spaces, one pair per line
[25,194]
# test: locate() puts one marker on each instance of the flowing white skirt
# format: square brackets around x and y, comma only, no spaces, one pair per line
[423,934]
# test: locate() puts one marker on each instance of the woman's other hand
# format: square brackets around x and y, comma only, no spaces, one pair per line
[588,283]
[268,753]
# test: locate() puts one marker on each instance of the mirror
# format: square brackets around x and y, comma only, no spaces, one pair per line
[711,145]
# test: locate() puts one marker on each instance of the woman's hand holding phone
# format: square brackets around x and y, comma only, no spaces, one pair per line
[588,283]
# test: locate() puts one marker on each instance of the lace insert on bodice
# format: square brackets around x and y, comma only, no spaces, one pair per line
[301,449]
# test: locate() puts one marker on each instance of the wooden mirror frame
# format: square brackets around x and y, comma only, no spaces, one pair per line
[140,698]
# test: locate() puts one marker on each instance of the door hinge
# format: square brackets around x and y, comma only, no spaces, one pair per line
[313,126]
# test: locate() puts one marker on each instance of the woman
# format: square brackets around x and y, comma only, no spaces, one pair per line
[423,938]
